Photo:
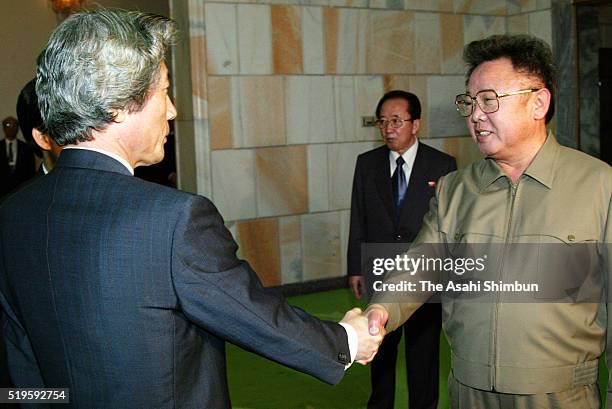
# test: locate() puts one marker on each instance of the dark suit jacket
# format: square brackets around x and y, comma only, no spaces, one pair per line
[374,217]
[124,291]
[24,168]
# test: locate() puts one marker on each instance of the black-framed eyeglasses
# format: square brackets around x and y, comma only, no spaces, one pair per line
[487,100]
[394,123]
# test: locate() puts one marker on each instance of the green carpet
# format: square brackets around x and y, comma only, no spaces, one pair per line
[257,383]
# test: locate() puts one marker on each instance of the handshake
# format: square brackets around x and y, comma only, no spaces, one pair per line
[370,328]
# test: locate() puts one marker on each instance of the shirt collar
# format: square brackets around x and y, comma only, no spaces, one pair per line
[541,168]
[409,156]
[103,152]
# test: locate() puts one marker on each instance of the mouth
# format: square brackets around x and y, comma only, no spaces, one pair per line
[482,133]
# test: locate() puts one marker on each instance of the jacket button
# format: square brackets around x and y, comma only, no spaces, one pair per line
[343,358]
[398,237]
[571,237]
[457,236]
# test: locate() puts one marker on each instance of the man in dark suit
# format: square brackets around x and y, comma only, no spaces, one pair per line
[16,158]
[123,290]
[32,128]
[391,191]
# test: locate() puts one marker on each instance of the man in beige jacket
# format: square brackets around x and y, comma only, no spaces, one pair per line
[543,351]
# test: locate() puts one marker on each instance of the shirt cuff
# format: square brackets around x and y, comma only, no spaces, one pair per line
[353,341]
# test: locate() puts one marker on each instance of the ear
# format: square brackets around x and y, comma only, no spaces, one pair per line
[120,116]
[41,139]
[416,125]
[541,104]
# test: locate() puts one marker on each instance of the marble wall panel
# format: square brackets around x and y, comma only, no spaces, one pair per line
[368,90]
[309,108]
[395,4]
[540,25]
[345,226]
[566,54]
[443,119]
[451,29]
[344,100]
[290,247]
[318,183]
[462,148]
[258,111]
[426,50]
[287,39]
[198,58]
[255,39]
[429,5]
[202,155]
[526,6]
[342,158]
[282,185]
[378,4]
[321,246]
[313,40]
[331,18]
[482,7]
[588,63]
[345,40]
[222,40]
[521,6]
[219,111]
[479,27]
[233,183]
[259,243]
[348,3]
[518,24]
[390,42]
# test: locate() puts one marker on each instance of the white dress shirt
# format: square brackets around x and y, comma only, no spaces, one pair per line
[409,157]
[11,156]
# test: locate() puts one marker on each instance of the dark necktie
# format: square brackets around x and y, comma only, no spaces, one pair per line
[399,180]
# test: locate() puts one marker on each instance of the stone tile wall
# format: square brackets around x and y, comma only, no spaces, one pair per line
[279,90]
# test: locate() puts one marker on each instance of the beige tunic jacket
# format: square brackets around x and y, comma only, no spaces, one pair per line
[539,346]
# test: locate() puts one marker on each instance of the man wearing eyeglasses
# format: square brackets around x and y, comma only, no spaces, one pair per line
[16,158]
[391,190]
[528,191]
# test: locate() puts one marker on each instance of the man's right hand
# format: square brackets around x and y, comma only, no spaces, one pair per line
[368,344]
[357,284]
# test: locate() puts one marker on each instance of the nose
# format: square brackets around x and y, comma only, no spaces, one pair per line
[477,113]
[387,128]
[170,110]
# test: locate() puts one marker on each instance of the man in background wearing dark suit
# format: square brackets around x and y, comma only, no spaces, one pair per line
[16,159]
[391,191]
[123,290]
[32,128]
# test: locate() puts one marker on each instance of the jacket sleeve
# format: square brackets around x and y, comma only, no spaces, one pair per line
[607,268]
[357,224]
[223,295]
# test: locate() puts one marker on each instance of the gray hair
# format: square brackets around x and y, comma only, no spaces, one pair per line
[95,64]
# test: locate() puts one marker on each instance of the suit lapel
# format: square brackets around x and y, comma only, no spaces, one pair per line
[383,184]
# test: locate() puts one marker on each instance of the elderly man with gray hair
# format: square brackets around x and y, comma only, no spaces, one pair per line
[122,290]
